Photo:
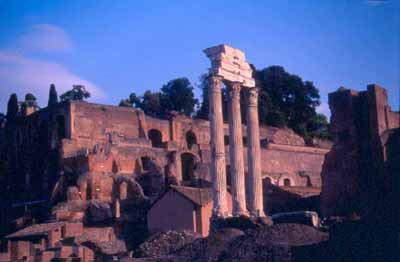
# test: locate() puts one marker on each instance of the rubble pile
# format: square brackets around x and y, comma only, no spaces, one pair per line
[164,243]
[281,242]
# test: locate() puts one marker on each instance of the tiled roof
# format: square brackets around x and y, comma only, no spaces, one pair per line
[36,230]
[199,196]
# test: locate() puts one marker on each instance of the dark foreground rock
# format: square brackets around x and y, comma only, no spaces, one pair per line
[281,242]
[164,243]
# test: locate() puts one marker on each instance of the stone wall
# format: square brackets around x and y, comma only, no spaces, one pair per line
[353,173]
[55,146]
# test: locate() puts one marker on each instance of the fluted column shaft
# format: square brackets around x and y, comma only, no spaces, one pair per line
[218,172]
[253,155]
[236,151]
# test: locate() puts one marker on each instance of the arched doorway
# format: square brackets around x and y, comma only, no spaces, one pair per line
[268,180]
[190,139]
[188,162]
[155,137]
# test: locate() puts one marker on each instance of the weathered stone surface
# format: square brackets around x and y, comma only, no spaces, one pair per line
[73,194]
[99,211]
[354,179]
[230,63]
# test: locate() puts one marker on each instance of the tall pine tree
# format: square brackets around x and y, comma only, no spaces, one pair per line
[53,96]
[12,108]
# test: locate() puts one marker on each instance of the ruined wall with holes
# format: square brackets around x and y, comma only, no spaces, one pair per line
[106,142]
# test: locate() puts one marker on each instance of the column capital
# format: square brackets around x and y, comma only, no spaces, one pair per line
[214,81]
[252,96]
[234,89]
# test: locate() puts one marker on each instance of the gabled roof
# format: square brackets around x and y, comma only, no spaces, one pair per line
[36,230]
[199,196]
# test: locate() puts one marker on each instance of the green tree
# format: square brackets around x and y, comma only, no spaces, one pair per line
[318,126]
[151,104]
[30,100]
[285,99]
[202,112]
[177,95]
[12,108]
[77,93]
[133,100]
[53,96]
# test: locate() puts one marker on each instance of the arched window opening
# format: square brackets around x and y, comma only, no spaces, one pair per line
[268,180]
[286,182]
[188,165]
[190,139]
[155,137]
[60,126]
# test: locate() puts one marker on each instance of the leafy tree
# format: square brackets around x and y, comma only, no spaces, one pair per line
[151,104]
[77,93]
[12,108]
[30,100]
[53,96]
[285,99]
[177,95]
[125,103]
[318,126]
[133,100]
[202,112]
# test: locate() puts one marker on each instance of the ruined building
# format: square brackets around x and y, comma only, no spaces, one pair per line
[354,173]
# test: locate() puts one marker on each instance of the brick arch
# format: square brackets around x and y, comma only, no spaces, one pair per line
[269,179]
[283,181]
[190,138]
[189,160]
[155,136]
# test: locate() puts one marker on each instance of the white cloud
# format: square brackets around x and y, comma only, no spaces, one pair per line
[20,74]
[46,38]
[323,108]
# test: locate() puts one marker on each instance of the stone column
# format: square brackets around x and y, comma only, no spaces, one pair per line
[236,151]
[218,172]
[253,155]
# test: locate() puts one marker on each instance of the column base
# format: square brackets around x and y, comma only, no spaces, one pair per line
[241,213]
[257,213]
[218,213]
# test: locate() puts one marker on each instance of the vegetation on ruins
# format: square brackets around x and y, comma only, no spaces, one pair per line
[77,93]
[53,96]
[176,95]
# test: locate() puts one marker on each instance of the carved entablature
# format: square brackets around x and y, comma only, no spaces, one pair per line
[230,63]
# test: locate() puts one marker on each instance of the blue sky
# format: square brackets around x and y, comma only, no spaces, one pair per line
[118,47]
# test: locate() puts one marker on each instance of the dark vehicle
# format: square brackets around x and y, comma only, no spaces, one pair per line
[309,218]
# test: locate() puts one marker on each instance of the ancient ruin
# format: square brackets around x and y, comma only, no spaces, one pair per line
[92,182]
[229,65]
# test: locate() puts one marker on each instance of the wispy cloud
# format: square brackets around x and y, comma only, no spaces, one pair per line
[21,74]
[376,2]
[46,38]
